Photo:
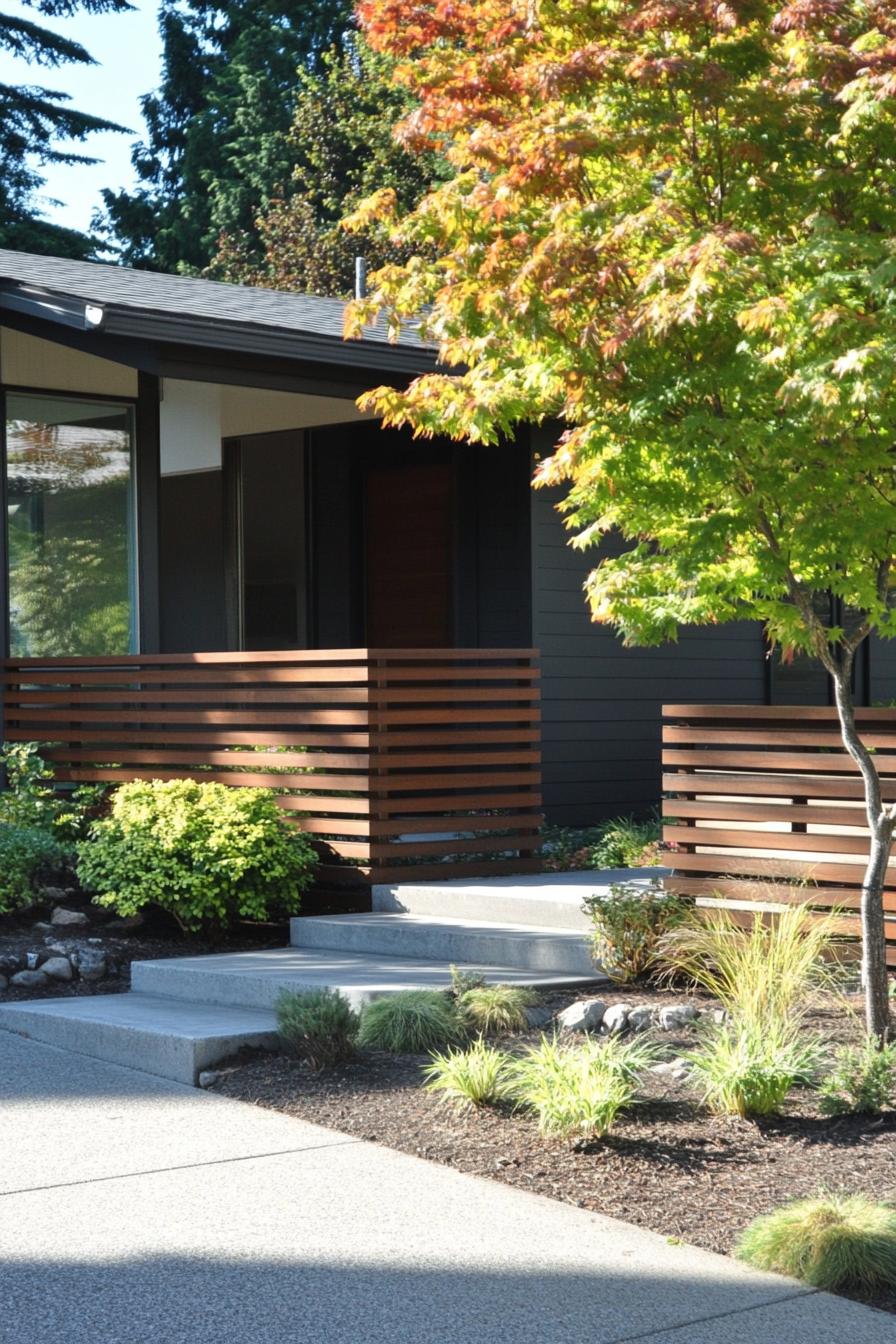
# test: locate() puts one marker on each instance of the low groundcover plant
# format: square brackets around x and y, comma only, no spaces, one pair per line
[743,1068]
[479,1075]
[412,1022]
[576,1091]
[862,1081]
[834,1242]
[492,1009]
[319,1026]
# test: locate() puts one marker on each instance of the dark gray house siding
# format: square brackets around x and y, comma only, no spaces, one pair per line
[601,703]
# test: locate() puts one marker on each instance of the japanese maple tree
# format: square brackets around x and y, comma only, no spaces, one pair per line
[672,228]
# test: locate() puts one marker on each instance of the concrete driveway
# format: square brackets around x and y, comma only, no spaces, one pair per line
[136,1211]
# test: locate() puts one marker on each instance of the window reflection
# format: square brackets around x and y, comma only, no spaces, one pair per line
[69,482]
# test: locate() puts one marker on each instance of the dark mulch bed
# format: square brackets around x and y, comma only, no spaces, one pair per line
[669,1166]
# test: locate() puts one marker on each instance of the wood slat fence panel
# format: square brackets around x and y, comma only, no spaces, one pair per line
[763,807]
[401,764]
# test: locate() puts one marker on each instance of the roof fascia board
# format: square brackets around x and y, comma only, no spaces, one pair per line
[258,339]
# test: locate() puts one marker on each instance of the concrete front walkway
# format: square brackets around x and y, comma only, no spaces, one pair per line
[138,1211]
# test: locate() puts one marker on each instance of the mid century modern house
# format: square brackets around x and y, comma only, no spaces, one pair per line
[185,472]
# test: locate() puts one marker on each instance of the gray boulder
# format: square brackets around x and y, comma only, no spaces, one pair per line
[640,1017]
[681,1015]
[68,919]
[9,964]
[91,964]
[30,979]
[58,968]
[585,1015]
[675,1069]
[208,1078]
[615,1019]
[41,928]
[538,1016]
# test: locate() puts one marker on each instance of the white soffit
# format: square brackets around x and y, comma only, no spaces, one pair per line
[251,410]
[27,361]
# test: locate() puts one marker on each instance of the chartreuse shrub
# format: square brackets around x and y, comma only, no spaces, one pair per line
[627,926]
[207,853]
[492,1009]
[834,1242]
[747,1068]
[862,1081]
[319,1026]
[577,1091]
[479,1075]
[412,1022]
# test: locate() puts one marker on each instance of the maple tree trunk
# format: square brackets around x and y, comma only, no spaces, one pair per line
[880,824]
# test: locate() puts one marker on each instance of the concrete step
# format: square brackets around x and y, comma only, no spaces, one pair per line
[168,1037]
[254,979]
[548,900]
[523,947]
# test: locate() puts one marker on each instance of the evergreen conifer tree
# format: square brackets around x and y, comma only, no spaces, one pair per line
[33,119]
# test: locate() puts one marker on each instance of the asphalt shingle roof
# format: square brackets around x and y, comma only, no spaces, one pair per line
[225,308]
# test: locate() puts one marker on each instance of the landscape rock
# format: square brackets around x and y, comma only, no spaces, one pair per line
[53,895]
[671,1068]
[9,964]
[640,1017]
[208,1078]
[719,1016]
[90,963]
[71,919]
[681,1015]
[538,1016]
[59,968]
[615,1019]
[30,979]
[585,1015]
[4,983]
[41,928]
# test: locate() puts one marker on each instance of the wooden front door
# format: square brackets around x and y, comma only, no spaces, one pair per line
[410,556]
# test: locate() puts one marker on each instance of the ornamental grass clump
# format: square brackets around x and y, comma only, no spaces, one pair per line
[319,1026]
[576,1092]
[862,1081]
[413,1022]
[834,1242]
[762,974]
[747,1069]
[479,1075]
[495,1009]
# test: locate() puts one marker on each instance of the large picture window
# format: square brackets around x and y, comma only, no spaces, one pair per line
[70,533]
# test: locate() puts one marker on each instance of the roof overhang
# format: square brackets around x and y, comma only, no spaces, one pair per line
[75,314]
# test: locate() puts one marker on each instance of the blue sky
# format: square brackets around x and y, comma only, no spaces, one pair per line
[127,50]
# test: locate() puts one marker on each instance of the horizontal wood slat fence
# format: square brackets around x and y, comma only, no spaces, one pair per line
[401,764]
[763,805]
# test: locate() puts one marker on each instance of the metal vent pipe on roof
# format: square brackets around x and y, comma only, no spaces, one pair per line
[360,278]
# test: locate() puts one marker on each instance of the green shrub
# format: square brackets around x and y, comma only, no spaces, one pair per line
[627,843]
[745,1068]
[477,1076]
[627,927]
[490,1009]
[319,1026]
[862,1081]
[27,856]
[30,802]
[207,853]
[763,974]
[620,843]
[412,1022]
[577,1091]
[834,1242]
